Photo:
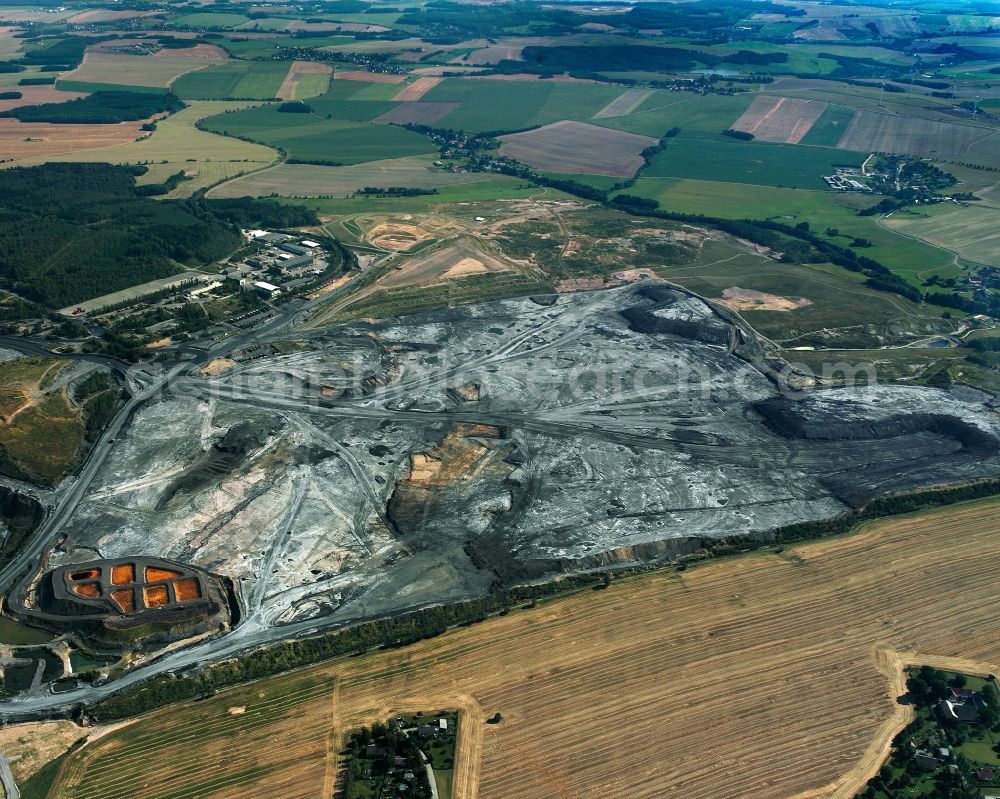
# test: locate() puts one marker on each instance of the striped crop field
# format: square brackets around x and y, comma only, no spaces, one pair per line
[763,676]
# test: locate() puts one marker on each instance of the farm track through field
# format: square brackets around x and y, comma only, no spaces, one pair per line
[764,676]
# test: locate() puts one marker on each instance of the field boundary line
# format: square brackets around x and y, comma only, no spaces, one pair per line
[893,665]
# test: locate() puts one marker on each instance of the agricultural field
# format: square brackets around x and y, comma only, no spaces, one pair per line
[416,113]
[305,79]
[726,160]
[779,119]
[36,95]
[664,110]
[211,20]
[917,105]
[416,90]
[20,141]
[176,144]
[310,180]
[152,71]
[972,232]
[488,105]
[876,132]
[239,730]
[238,80]
[828,129]
[9,45]
[624,104]
[823,210]
[760,658]
[574,147]
[308,138]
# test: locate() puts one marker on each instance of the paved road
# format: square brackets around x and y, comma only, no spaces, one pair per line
[27,346]
[145,384]
[7,779]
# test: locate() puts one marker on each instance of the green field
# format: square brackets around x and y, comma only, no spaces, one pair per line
[911,259]
[489,105]
[350,100]
[307,137]
[827,130]
[973,232]
[311,85]
[211,20]
[720,158]
[91,86]
[309,180]
[664,110]
[242,80]
[476,195]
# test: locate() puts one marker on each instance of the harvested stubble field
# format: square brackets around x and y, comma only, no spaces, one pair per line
[136,70]
[779,119]
[875,132]
[43,140]
[36,95]
[770,675]
[176,141]
[417,89]
[105,15]
[261,734]
[9,45]
[571,148]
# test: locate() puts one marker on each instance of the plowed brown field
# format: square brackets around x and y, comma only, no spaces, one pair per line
[765,676]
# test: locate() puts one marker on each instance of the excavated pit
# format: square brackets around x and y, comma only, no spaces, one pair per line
[425,459]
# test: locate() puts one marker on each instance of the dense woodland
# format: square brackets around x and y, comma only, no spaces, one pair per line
[627,58]
[448,21]
[69,232]
[99,108]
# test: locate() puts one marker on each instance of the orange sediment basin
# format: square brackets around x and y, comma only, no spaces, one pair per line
[125,599]
[123,573]
[85,574]
[187,589]
[155,575]
[156,596]
[90,590]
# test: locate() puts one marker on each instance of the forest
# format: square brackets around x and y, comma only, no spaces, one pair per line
[104,107]
[626,58]
[70,232]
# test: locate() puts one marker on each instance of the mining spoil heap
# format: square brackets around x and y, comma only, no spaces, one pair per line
[392,464]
